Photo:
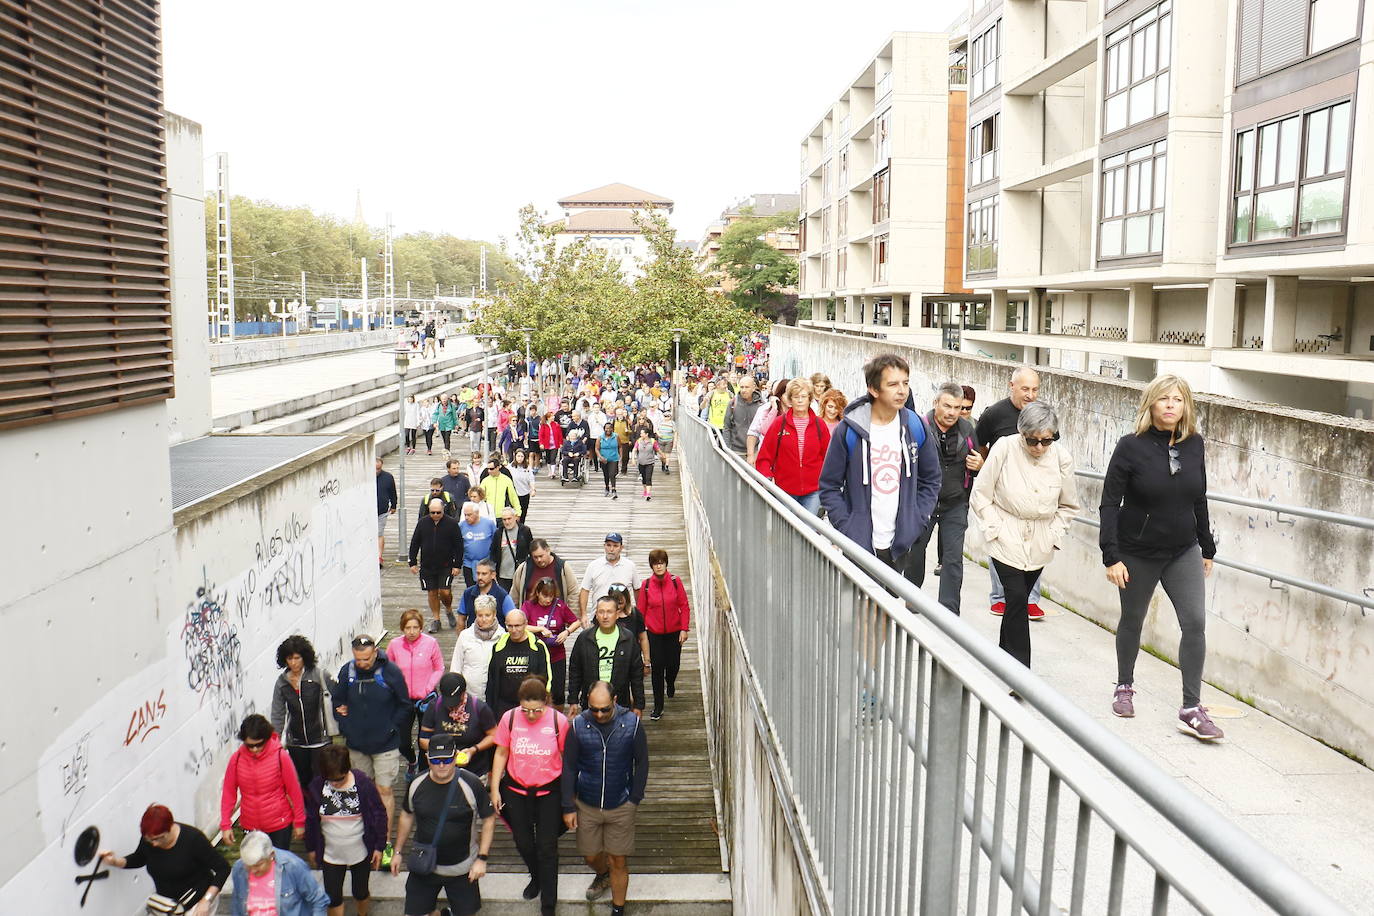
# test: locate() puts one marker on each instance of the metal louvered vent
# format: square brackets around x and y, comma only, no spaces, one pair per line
[85,307]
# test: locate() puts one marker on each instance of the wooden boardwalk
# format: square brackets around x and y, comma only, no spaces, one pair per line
[676,824]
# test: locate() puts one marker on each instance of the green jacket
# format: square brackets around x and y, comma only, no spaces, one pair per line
[446,417]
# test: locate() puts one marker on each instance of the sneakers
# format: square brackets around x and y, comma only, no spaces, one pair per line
[607,494]
[1197,723]
[999,608]
[599,886]
[388,853]
[1034,612]
[656,715]
[614,495]
[452,621]
[1123,702]
[433,627]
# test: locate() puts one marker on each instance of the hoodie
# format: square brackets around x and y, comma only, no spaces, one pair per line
[845,486]
[267,789]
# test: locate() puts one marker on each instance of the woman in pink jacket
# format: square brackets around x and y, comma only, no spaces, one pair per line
[262,778]
[421,660]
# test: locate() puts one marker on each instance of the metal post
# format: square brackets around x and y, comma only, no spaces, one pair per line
[944,795]
[402,545]
[225,316]
[484,270]
[365,322]
[486,399]
[303,307]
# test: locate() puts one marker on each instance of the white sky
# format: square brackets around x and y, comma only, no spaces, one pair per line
[453,114]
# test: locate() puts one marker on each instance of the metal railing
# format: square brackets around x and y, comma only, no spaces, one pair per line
[911,781]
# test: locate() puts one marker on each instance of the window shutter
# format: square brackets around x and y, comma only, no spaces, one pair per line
[1247,54]
[85,311]
[1285,32]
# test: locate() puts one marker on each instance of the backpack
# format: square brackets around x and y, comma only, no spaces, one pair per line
[915,431]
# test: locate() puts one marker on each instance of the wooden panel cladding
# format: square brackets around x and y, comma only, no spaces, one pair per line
[85,302]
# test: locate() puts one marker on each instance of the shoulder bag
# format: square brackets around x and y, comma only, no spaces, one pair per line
[424,857]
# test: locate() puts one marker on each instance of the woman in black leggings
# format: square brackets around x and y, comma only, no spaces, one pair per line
[609,447]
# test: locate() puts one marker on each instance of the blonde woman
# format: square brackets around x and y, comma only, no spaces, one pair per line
[1156,531]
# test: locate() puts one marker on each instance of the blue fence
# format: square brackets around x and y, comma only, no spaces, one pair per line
[273,328]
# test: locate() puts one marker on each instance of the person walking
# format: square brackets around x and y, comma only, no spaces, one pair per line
[515,657]
[185,868]
[386,507]
[455,482]
[476,533]
[473,419]
[997,421]
[881,475]
[422,663]
[623,427]
[522,476]
[959,462]
[498,489]
[667,430]
[606,772]
[485,585]
[261,779]
[1156,530]
[472,651]
[667,618]
[717,404]
[833,403]
[601,572]
[411,421]
[609,653]
[274,882]
[646,456]
[608,447]
[554,622]
[525,785]
[1024,499]
[740,414]
[435,548]
[446,419]
[458,713]
[793,448]
[550,440]
[773,405]
[510,546]
[298,705]
[345,828]
[428,417]
[544,564]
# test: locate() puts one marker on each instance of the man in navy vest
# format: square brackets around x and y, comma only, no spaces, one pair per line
[607,757]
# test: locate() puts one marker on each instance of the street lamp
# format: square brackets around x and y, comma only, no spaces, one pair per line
[402,366]
[677,353]
[526,332]
[482,340]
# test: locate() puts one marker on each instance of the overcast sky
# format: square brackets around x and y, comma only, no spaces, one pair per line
[452,114]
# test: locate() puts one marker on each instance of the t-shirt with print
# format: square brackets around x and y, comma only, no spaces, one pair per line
[457,847]
[262,894]
[605,653]
[341,822]
[885,476]
[468,722]
[536,748]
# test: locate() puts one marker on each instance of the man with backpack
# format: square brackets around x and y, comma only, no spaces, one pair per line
[959,462]
[881,475]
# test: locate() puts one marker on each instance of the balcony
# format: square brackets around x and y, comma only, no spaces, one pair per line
[1045,73]
[958,75]
[1065,168]
[1108,344]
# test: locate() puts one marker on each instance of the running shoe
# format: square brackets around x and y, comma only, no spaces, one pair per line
[1123,702]
[599,886]
[433,627]
[452,621]
[1035,612]
[656,715]
[1197,723]
[999,608]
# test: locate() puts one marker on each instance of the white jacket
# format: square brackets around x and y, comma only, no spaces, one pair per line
[412,415]
[1023,505]
[471,656]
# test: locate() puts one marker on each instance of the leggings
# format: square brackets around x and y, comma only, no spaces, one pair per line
[560,681]
[410,437]
[304,759]
[1017,585]
[1185,585]
[665,658]
[535,822]
[429,439]
[625,449]
[646,474]
[448,436]
[334,878]
[608,469]
[524,506]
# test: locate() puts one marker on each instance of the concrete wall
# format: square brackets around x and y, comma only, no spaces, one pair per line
[1298,656]
[262,350]
[136,670]
[188,413]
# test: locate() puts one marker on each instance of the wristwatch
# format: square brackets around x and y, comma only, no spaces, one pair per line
[482,856]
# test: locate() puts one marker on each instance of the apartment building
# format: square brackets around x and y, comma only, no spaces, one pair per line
[882,195]
[1162,185]
[784,239]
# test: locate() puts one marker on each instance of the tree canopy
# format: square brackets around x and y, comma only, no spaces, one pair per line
[761,273]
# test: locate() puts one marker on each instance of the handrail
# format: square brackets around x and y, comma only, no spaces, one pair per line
[1280,509]
[1272,880]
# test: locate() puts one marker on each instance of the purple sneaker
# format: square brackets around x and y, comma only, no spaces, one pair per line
[1197,723]
[1123,703]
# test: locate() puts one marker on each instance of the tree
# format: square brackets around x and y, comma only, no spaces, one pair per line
[761,273]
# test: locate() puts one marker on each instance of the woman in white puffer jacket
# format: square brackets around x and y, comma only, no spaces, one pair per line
[472,653]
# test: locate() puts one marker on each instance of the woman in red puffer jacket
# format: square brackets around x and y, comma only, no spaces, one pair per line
[667,618]
[261,777]
[793,447]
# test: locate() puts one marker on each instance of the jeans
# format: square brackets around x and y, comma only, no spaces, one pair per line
[908,564]
[1186,587]
[953,524]
[998,595]
[1015,636]
[665,658]
[811,502]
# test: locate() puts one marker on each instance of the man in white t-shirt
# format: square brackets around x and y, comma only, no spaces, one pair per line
[603,571]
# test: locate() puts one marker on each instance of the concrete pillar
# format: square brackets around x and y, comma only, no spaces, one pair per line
[997,311]
[1035,313]
[1280,313]
[1220,330]
[901,308]
[1140,313]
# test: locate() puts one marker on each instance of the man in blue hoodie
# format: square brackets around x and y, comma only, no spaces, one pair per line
[881,475]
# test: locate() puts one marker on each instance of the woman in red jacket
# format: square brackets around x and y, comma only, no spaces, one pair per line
[550,440]
[663,602]
[793,447]
[261,777]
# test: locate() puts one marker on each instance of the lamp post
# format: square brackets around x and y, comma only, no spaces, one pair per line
[402,366]
[482,340]
[677,353]
[526,332]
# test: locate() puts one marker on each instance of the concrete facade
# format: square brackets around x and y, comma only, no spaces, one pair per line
[1301,657]
[188,413]
[241,354]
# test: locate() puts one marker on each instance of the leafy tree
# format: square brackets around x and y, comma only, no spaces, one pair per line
[761,274]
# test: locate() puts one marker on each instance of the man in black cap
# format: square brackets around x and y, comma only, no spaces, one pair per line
[435,801]
[464,718]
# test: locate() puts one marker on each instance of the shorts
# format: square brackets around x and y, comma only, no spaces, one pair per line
[432,579]
[608,830]
[381,768]
[381,523]
[665,447]
[422,893]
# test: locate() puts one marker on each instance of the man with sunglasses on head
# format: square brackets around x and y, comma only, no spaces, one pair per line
[436,553]
[959,462]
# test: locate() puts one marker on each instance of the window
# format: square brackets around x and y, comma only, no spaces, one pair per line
[801,233]
[825,181]
[841,267]
[825,228]
[844,170]
[1276,33]
[883,144]
[804,183]
[882,196]
[1133,203]
[1137,70]
[1290,176]
[985,52]
[982,235]
[880,259]
[825,271]
[842,218]
[982,151]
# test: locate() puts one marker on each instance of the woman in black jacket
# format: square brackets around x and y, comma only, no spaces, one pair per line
[1155,531]
[298,705]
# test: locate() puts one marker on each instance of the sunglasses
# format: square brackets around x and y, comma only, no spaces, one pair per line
[436,511]
[363,642]
[1173,460]
[255,745]
[441,761]
[1032,441]
[602,709]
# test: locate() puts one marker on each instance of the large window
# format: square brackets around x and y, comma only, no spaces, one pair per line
[1290,176]
[1133,203]
[882,196]
[1137,69]
[825,270]
[982,151]
[1276,33]
[825,228]
[883,139]
[841,267]
[843,185]
[982,235]
[880,258]
[986,50]
[842,218]
[825,181]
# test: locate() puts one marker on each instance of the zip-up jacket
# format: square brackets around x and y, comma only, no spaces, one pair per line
[266,787]
[627,669]
[500,492]
[378,706]
[299,717]
[609,764]
[386,492]
[846,489]
[369,805]
[953,446]
[421,663]
[436,546]
[1148,512]
[738,416]
[512,662]
[298,893]
[663,601]
[550,436]
[797,473]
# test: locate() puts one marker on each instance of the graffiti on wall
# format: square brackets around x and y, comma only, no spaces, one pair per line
[214,660]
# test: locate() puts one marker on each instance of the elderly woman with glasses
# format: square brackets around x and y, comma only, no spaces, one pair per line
[1155,530]
[180,860]
[274,882]
[1023,501]
[262,779]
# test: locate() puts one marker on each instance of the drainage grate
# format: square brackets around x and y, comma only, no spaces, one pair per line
[203,467]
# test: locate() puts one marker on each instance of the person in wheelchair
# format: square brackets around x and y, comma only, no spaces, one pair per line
[572,454]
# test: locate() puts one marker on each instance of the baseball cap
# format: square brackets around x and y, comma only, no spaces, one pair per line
[452,684]
[615,538]
[442,747]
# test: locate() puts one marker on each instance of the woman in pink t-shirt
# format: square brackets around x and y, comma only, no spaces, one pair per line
[525,785]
